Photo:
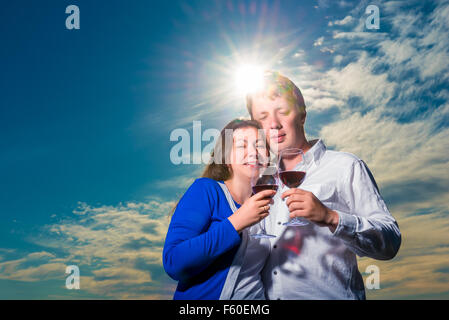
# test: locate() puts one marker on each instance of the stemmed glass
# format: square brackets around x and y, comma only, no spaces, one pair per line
[264,178]
[292,178]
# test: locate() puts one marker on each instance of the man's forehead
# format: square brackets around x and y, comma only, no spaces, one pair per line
[263,101]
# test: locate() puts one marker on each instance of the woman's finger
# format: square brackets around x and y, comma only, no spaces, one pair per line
[264,215]
[264,194]
[263,202]
[263,209]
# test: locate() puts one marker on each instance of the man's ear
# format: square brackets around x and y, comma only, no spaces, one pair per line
[304,117]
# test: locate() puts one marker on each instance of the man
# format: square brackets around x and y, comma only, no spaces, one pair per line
[338,195]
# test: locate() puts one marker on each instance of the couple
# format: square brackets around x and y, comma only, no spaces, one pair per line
[208,249]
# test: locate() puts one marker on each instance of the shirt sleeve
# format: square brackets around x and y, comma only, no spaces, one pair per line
[192,242]
[368,229]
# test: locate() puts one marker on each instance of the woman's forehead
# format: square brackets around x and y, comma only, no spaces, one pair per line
[245,133]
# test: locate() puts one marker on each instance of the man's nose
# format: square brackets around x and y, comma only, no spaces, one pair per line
[274,122]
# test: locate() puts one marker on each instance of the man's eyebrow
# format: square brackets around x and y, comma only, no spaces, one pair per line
[263,113]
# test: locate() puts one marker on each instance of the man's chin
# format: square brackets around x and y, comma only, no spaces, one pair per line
[280,145]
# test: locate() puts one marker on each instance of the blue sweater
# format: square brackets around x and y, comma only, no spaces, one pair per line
[201,242]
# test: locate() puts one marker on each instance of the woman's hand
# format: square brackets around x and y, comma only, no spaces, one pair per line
[252,210]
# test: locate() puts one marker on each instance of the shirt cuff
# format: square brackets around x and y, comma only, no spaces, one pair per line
[347,226]
[233,235]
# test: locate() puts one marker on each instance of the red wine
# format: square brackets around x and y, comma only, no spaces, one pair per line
[262,187]
[292,179]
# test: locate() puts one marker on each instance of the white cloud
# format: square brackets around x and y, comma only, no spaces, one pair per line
[346,20]
[338,59]
[358,79]
[299,54]
[318,42]
[421,42]
[394,151]
[324,103]
[410,160]
[327,49]
[362,36]
[120,245]
[398,51]
[405,79]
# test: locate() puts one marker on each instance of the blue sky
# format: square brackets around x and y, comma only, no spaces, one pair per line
[86,117]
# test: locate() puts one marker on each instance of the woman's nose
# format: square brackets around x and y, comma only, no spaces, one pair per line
[252,152]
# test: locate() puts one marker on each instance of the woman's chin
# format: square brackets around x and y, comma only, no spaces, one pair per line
[243,171]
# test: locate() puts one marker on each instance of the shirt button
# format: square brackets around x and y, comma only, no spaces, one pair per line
[275,246]
[279,222]
[275,272]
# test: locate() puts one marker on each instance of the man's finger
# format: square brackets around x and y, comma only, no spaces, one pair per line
[291,191]
[296,206]
[298,213]
[295,198]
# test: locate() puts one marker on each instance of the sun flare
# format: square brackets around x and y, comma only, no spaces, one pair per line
[248,78]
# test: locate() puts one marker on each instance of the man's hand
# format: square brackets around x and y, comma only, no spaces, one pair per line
[304,204]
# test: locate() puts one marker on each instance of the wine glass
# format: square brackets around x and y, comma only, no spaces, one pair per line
[263,178]
[293,176]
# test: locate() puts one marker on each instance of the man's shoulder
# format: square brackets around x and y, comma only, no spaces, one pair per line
[341,157]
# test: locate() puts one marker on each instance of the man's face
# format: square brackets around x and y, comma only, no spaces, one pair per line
[282,121]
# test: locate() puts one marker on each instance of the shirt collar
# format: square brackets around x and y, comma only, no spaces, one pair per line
[316,152]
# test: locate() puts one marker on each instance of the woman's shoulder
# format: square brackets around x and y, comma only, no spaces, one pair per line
[203,190]
[206,183]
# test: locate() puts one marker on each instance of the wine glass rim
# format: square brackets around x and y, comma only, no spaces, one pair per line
[292,152]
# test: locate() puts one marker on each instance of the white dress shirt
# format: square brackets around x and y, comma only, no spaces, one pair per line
[311,262]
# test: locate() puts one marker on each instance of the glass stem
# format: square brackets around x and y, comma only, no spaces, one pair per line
[262,225]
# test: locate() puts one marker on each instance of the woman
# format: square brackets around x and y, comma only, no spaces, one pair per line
[207,238]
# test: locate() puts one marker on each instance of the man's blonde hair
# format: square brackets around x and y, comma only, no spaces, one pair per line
[276,85]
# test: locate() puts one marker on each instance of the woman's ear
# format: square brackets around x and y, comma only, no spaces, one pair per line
[229,167]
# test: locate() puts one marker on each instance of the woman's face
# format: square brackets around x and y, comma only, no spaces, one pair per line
[249,149]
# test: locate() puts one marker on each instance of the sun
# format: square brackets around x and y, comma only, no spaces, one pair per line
[248,78]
